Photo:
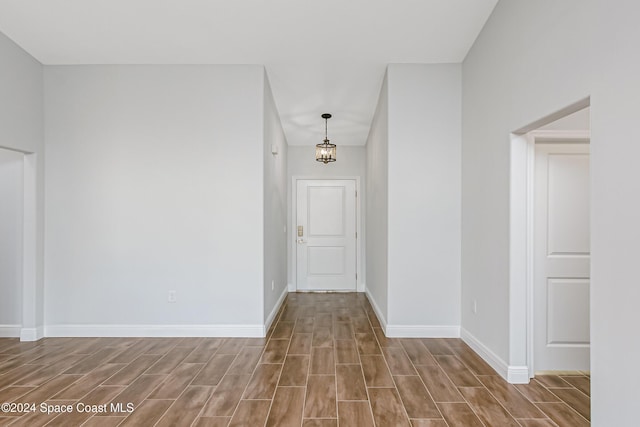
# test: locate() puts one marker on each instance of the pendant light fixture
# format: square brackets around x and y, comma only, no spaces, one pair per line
[326,152]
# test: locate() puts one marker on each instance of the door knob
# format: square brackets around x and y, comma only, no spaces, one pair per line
[301,241]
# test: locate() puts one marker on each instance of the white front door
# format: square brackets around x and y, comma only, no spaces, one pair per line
[561,257]
[326,235]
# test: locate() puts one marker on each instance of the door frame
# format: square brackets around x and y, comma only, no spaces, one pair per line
[293,286]
[31,291]
[521,257]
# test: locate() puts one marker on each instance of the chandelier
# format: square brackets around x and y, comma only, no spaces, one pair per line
[326,152]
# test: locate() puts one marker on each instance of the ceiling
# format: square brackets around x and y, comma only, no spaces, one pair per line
[327,56]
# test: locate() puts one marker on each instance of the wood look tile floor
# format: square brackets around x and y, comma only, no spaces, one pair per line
[325,362]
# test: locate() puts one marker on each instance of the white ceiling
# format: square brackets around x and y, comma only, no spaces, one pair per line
[320,56]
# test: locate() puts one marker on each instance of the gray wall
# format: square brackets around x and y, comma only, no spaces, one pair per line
[154,183]
[21,129]
[275,206]
[424,198]
[377,224]
[530,60]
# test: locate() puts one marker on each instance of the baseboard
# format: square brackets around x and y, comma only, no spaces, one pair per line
[422,331]
[513,374]
[518,375]
[376,309]
[31,334]
[232,331]
[361,287]
[274,312]
[292,287]
[10,331]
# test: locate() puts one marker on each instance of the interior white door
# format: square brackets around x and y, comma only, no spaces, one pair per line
[561,257]
[326,235]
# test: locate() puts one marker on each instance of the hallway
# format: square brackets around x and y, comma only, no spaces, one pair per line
[324,363]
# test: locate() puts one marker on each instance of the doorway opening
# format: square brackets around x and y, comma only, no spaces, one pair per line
[11,242]
[549,245]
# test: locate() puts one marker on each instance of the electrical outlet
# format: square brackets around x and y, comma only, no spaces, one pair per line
[273,285]
[475,307]
[172,297]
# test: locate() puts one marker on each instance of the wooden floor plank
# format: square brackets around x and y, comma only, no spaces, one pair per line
[332,367]
[286,410]
[186,408]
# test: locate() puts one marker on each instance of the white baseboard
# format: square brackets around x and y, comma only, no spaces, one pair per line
[361,287]
[10,331]
[376,309]
[518,375]
[232,331]
[274,312]
[422,331]
[513,374]
[31,334]
[292,287]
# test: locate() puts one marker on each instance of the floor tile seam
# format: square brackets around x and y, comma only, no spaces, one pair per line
[306,381]
[102,384]
[561,400]
[568,406]
[503,404]
[273,397]
[335,371]
[486,388]
[366,388]
[422,380]
[395,386]
[532,401]
[569,388]
[470,406]
[190,384]
[235,410]
[259,400]
[160,359]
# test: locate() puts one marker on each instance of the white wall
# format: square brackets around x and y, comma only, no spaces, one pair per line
[275,206]
[531,59]
[21,129]
[10,242]
[154,183]
[377,206]
[302,163]
[424,199]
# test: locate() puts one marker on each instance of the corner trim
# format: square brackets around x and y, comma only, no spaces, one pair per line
[31,334]
[376,309]
[240,331]
[10,331]
[274,312]
[483,351]
[422,331]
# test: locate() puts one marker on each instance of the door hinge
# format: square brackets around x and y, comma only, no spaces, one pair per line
[356,194]
[356,234]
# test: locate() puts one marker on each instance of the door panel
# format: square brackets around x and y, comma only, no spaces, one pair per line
[326,211]
[568,326]
[568,203]
[326,239]
[561,257]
